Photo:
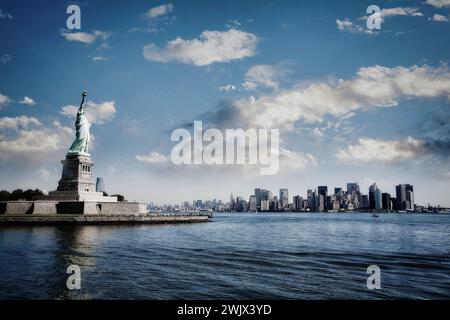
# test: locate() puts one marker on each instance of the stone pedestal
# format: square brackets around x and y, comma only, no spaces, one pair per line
[77,174]
[76,181]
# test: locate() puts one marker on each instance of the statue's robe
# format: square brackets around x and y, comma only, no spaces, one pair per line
[82,136]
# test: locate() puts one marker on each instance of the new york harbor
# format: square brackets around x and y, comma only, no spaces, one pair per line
[224,150]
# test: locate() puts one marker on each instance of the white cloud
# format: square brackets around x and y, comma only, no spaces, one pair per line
[263,75]
[439,3]
[4,15]
[85,37]
[387,151]
[5,58]
[347,25]
[27,100]
[375,86]
[30,141]
[153,157]
[400,11]
[397,11]
[4,100]
[294,161]
[439,18]
[228,87]
[318,132]
[210,47]
[19,141]
[99,58]
[18,122]
[160,10]
[95,112]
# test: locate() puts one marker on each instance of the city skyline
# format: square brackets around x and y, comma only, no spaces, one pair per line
[350,103]
[316,200]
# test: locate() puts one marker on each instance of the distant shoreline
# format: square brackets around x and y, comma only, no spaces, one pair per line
[329,212]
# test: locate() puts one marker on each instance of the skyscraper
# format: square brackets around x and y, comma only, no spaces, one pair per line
[321,202]
[352,187]
[266,195]
[322,190]
[232,203]
[265,205]
[297,202]
[405,197]
[386,201]
[364,201]
[258,198]
[284,197]
[252,203]
[375,200]
[310,199]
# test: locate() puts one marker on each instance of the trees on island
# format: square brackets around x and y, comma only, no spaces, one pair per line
[19,194]
[30,194]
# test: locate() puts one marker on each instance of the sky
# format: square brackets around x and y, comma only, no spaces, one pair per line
[352,104]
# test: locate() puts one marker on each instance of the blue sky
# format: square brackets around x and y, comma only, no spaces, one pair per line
[351,105]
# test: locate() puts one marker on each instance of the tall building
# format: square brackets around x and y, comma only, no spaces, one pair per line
[378,199]
[241,204]
[309,198]
[364,201]
[284,197]
[355,194]
[320,203]
[252,203]
[405,197]
[394,203]
[298,203]
[322,190]
[375,200]
[198,204]
[386,201]
[232,203]
[265,205]
[273,205]
[266,195]
[352,187]
[258,198]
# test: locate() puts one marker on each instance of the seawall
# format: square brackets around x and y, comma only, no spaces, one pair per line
[96,219]
[52,207]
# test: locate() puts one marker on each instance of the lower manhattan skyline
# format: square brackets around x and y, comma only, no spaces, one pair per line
[318,199]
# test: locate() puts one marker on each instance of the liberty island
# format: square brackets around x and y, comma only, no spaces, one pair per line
[77,200]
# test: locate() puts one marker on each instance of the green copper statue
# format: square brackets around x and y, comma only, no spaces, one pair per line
[81,143]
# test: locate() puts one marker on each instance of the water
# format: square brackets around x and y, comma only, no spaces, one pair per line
[237,256]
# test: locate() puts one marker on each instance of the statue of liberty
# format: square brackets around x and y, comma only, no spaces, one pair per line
[81,143]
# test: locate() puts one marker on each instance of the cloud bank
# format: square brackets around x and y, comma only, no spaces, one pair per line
[371,87]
